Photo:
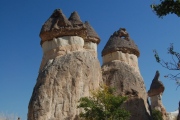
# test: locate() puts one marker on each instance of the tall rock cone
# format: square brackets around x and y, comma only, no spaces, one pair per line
[120,70]
[68,72]
[155,94]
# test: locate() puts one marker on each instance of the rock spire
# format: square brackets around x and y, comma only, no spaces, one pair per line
[69,69]
[155,94]
[120,70]
[157,86]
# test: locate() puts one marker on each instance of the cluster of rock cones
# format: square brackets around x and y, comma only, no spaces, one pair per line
[70,70]
[58,26]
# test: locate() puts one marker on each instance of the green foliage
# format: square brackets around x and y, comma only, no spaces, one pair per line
[103,105]
[167,7]
[157,115]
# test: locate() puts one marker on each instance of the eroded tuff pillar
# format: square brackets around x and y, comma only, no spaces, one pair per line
[120,70]
[155,94]
[69,68]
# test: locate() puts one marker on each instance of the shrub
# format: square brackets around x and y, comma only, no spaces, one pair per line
[103,105]
[157,115]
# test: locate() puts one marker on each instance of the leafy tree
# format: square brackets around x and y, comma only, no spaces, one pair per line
[172,65]
[156,115]
[103,105]
[167,7]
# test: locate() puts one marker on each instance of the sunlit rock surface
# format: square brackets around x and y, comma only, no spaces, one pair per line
[173,115]
[69,69]
[120,70]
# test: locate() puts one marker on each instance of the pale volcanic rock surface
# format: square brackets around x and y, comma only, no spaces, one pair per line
[128,82]
[120,70]
[69,69]
[61,84]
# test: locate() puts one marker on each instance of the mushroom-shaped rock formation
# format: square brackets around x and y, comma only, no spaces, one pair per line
[157,86]
[120,70]
[60,35]
[121,47]
[58,25]
[68,70]
[155,92]
[120,41]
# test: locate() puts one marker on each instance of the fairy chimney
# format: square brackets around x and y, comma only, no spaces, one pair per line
[121,47]
[155,94]
[120,70]
[68,71]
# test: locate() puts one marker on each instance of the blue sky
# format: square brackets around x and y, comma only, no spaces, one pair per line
[21,54]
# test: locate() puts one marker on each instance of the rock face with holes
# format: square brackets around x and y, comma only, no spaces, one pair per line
[69,68]
[120,70]
[155,94]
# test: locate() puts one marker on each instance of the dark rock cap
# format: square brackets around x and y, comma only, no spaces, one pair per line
[58,25]
[157,86]
[75,19]
[56,20]
[120,41]
[91,33]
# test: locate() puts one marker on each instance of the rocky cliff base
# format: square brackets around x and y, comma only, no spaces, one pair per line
[128,82]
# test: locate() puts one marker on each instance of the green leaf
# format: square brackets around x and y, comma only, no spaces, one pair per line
[103,105]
